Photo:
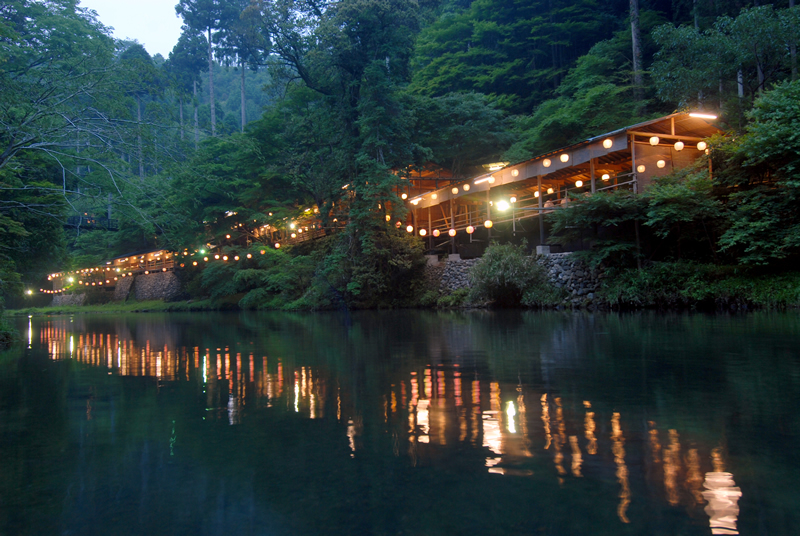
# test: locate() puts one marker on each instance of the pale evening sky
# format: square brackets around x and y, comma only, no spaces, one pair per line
[152,22]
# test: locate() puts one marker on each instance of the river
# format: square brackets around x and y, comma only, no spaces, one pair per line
[401,422]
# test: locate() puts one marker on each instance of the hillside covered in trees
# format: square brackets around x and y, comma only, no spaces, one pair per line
[266,108]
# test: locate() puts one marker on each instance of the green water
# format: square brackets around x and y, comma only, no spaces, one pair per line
[401,423]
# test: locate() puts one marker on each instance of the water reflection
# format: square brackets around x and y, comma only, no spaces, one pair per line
[513,419]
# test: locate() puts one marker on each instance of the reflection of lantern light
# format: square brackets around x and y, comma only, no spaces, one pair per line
[466,187]
[435,196]
[452,232]
[578,184]
[410,229]
[661,163]
[547,162]
[564,158]
[654,140]
[470,229]
[536,193]
[436,232]
[423,232]
[404,196]
[640,168]
[550,190]
[679,146]
[515,173]
[605,176]
[488,224]
[607,143]
[701,146]
[454,190]
[490,180]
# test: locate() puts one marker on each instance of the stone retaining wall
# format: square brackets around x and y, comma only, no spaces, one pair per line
[123,288]
[157,286]
[565,272]
[60,300]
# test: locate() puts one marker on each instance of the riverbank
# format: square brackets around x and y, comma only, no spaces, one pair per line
[150,306]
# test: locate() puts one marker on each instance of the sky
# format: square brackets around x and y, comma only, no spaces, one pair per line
[151,22]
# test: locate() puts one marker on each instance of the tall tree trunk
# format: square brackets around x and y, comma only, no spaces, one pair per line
[181,114]
[793,50]
[637,52]
[244,111]
[196,125]
[211,86]
[139,135]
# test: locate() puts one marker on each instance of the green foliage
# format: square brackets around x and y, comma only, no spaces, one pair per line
[505,274]
[699,286]
[455,299]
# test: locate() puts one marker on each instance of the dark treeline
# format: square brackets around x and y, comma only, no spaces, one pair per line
[266,109]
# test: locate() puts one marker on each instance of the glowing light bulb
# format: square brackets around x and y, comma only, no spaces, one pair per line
[547,162]
[488,224]
[607,143]
[564,158]
[452,232]
[661,164]
[654,141]
[423,232]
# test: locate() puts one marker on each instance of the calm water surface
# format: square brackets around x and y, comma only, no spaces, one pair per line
[401,423]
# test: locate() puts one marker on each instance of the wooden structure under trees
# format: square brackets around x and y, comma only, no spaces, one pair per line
[629,158]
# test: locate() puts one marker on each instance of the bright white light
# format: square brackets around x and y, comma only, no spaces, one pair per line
[511,411]
[607,143]
[564,158]
[503,205]
[547,162]
[702,116]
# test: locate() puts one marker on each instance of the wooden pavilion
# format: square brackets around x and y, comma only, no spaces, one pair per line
[629,158]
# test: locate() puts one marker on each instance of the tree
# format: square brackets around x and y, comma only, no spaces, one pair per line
[204,16]
[56,65]
[186,62]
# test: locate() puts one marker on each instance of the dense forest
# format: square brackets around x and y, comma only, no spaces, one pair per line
[267,108]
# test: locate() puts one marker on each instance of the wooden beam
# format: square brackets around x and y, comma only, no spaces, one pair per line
[665,136]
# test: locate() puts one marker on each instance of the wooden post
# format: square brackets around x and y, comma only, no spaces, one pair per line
[488,213]
[452,226]
[541,215]
[591,174]
[430,230]
[634,173]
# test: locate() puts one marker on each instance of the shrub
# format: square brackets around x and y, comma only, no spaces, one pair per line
[505,275]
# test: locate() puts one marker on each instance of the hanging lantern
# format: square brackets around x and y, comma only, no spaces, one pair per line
[513,199]
[452,232]
[249,255]
[488,224]
[398,224]
[263,251]
[404,196]
[605,176]
[216,257]
[410,229]
[661,164]
[227,236]
[470,229]
[654,141]
[466,187]
[679,146]
[436,232]
[225,258]
[536,193]
[490,180]
[294,235]
[194,263]
[388,217]
[640,168]
[702,146]
[578,184]
[550,190]
[435,196]
[236,258]
[515,173]
[423,232]
[564,158]
[547,162]
[608,143]
[454,190]
[277,245]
